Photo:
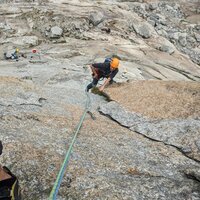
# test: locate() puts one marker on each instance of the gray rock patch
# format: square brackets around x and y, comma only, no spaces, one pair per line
[180,133]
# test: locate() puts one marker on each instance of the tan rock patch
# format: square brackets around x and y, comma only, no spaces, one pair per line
[159,99]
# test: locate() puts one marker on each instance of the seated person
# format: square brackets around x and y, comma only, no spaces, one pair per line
[12,54]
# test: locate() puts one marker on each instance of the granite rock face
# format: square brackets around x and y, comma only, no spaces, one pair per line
[42,97]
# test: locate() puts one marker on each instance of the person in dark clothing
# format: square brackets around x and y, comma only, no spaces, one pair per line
[103,70]
[9,187]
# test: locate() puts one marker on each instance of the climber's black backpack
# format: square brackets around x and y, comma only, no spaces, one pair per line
[108,60]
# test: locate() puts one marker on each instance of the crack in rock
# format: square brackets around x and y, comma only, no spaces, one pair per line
[182,134]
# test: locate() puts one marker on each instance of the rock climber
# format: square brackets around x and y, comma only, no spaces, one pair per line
[107,70]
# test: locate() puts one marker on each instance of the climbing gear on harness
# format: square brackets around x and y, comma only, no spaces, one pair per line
[58,181]
[114,63]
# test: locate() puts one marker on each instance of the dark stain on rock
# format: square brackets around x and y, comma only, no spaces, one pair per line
[100,93]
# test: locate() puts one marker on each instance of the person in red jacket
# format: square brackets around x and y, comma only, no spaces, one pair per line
[106,70]
[9,187]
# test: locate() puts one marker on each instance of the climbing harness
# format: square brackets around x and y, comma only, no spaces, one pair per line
[58,181]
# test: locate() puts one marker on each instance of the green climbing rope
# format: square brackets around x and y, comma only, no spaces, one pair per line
[58,181]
